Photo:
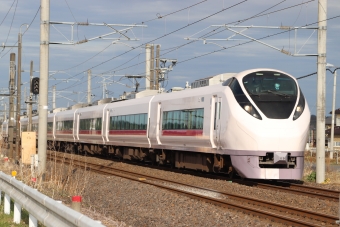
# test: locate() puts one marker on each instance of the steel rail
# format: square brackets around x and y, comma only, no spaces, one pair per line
[304,190]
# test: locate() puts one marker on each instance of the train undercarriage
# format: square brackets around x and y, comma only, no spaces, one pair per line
[205,162]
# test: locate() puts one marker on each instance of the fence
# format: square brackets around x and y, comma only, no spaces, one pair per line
[40,207]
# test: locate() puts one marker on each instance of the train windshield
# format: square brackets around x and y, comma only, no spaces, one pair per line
[274,93]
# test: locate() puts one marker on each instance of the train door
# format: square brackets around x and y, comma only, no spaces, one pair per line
[159,123]
[217,120]
[103,127]
[76,125]
[106,126]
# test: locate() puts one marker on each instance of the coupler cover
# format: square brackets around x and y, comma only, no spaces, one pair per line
[280,158]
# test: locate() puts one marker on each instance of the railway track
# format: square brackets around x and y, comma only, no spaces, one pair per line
[321,193]
[277,212]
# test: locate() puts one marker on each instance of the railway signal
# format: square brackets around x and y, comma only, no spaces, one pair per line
[35,85]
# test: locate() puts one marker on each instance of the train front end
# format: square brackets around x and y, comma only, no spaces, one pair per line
[269,124]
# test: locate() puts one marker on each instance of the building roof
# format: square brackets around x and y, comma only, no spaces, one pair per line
[336,130]
[337,111]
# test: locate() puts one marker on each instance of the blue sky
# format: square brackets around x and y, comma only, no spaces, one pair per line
[168,24]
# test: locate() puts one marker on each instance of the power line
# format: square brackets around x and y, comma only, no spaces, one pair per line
[22,33]
[141,23]
[209,33]
[73,17]
[10,28]
[160,16]
[7,13]
[241,44]
[167,34]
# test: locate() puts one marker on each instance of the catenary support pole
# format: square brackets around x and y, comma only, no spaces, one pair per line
[333,114]
[30,99]
[158,49]
[43,85]
[17,140]
[11,104]
[321,94]
[152,68]
[147,66]
[89,86]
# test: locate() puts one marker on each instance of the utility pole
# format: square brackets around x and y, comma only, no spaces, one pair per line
[321,94]
[43,85]
[104,91]
[11,103]
[30,100]
[17,140]
[152,67]
[158,48]
[147,66]
[89,86]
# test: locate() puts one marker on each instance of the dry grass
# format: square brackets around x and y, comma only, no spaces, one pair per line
[332,170]
[62,181]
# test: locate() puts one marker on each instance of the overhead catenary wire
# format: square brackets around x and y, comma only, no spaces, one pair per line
[23,32]
[160,16]
[73,17]
[240,44]
[250,41]
[238,21]
[157,18]
[7,13]
[214,32]
[10,28]
[167,34]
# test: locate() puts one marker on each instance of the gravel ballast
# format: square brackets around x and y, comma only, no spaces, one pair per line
[120,202]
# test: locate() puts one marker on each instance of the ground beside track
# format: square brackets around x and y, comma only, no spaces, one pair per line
[112,199]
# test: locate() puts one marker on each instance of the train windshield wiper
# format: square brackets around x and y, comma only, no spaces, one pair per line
[278,93]
[251,93]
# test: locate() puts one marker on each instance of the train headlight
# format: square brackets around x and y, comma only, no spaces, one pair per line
[252,111]
[300,107]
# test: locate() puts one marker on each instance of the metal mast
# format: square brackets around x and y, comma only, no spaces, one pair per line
[321,95]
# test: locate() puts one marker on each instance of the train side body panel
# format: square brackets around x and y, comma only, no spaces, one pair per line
[135,114]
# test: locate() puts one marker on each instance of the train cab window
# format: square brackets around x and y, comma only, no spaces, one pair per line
[274,93]
[236,88]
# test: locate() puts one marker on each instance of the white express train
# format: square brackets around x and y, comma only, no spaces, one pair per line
[255,123]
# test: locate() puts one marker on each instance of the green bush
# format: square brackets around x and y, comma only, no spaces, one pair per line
[311,177]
